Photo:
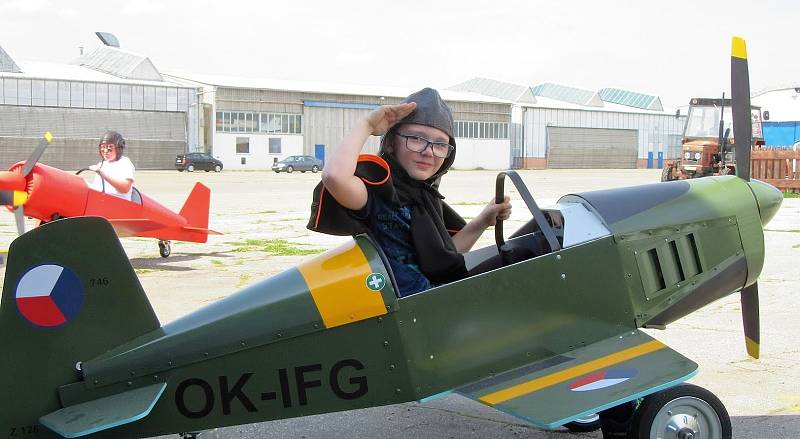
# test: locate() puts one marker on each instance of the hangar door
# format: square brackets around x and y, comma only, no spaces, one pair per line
[591,148]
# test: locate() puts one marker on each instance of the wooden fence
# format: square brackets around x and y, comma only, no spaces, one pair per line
[780,168]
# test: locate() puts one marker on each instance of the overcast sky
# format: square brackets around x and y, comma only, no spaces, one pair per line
[675,49]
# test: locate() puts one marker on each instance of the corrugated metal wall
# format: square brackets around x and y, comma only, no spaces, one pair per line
[591,148]
[657,132]
[327,126]
[153,138]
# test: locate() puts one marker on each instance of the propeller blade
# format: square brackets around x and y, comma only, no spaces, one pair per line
[19,218]
[750,319]
[37,154]
[740,105]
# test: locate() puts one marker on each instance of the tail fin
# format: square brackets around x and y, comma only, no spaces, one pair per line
[195,209]
[69,295]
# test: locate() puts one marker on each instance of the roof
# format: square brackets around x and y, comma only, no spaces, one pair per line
[323,87]
[71,72]
[568,94]
[120,63]
[631,99]
[6,63]
[504,90]
[783,104]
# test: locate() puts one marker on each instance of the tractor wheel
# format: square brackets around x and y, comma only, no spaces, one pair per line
[666,173]
[682,411]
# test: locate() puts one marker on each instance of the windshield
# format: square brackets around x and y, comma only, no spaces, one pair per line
[704,121]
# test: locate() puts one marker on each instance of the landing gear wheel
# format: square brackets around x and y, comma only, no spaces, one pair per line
[681,412]
[584,424]
[164,248]
[289,169]
[615,422]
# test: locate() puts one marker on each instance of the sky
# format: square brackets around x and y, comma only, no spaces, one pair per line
[676,50]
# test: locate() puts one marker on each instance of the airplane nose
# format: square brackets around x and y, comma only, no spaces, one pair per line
[769,199]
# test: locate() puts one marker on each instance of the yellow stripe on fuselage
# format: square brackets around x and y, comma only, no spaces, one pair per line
[573,372]
[739,48]
[337,281]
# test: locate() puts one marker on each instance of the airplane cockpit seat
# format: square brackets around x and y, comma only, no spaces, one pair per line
[136,196]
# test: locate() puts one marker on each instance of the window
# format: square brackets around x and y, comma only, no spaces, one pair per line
[172,99]
[480,130]
[51,93]
[161,98]
[76,94]
[275,145]
[113,96]
[219,121]
[125,97]
[137,97]
[37,92]
[63,94]
[242,145]
[10,91]
[102,96]
[89,95]
[24,91]
[149,98]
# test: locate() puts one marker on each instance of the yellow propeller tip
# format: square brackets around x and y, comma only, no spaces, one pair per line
[48,136]
[753,348]
[739,48]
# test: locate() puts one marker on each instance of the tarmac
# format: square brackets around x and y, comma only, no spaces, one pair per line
[256,210]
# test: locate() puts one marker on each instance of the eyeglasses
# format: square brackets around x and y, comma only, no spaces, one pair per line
[106,147]
[420,144]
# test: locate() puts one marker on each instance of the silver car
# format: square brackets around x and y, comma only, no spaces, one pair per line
[300,163]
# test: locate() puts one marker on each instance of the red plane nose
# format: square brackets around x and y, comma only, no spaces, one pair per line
[12,188]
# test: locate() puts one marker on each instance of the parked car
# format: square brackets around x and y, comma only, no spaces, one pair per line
[196,160]
[300,163]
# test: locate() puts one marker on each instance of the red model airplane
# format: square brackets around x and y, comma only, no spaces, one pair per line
[49,193]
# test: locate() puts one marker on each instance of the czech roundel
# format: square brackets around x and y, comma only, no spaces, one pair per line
[49,295]
[602,379]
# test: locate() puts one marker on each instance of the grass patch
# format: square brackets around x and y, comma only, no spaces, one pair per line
[243,279]
[796,246]
[217,262]
[278,247]
[145,270]
[791,195]
[264,212]
[786,231]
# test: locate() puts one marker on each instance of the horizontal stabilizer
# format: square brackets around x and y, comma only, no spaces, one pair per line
[104,413]
[201,230]
[583,381]
[134,226]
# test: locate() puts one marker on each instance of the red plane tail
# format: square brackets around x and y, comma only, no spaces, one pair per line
[195,209]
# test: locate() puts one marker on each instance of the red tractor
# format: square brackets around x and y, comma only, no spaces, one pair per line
[707,149]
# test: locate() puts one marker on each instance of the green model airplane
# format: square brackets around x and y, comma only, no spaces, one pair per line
[548,331]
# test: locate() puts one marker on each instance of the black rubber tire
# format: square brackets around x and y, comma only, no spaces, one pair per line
[315,169]
[217,168]
[684,404]
[666,173]
[615,422]
[190,168]
[164,248]
[289,169]
[584,425]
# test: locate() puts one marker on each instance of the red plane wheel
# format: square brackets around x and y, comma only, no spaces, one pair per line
[684,411]
[164,248]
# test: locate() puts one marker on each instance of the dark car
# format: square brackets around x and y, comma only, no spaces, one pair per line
[300,163]
[196,160]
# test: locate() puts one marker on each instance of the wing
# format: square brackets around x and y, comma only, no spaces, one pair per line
[583,381]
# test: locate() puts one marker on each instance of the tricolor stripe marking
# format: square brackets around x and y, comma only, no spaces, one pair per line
[49,295]
[561,376]
[601,380]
